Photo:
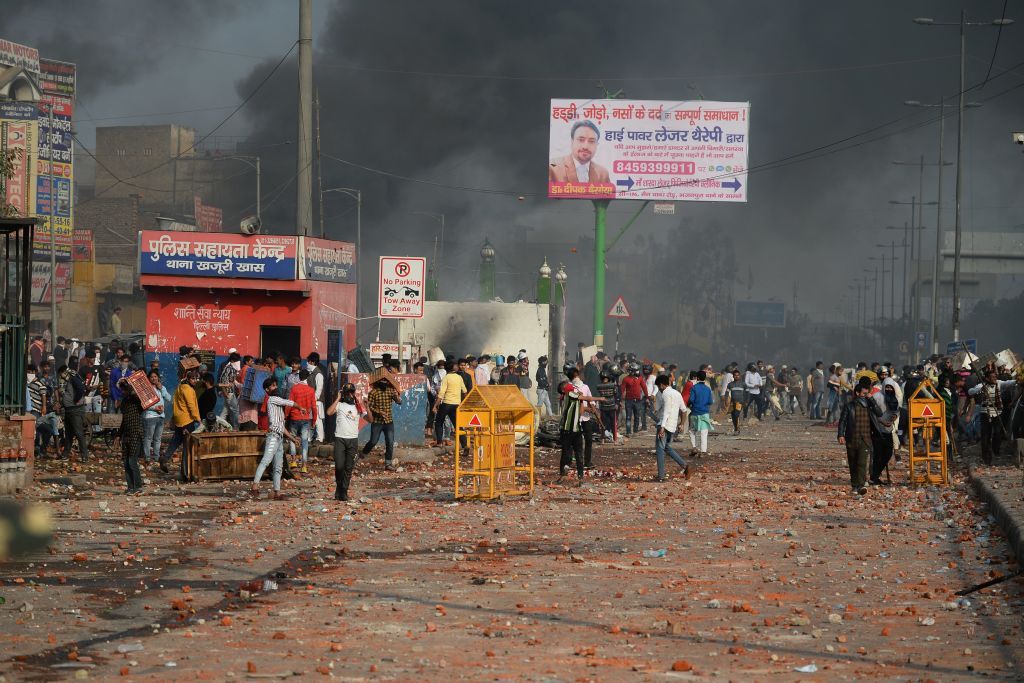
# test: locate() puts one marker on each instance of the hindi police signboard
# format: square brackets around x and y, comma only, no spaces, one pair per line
[760,314]
[648,149]
[327,260]
[402,280]
[266,257]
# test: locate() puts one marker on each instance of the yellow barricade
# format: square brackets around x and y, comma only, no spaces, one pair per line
[927,413]
[489,419]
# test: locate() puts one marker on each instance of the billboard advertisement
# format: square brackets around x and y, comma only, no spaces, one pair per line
[327,260]
[760,314]
[41,281]
[18,135]
[83,246]
[57,78]
[266,257]
[648,149]
[13,54]
[54,157]
[208,218]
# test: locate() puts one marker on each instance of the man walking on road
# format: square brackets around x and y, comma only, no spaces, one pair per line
[700,402]
[346,438]
[857,431]
[817,389]
[669,404]
[634,395]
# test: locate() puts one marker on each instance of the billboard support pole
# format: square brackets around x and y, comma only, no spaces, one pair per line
[53,239]
[600,226]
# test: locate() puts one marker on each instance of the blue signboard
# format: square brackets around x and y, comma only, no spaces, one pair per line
[265,257]
[18,110]
[327,260]
[760,314]
[953,348]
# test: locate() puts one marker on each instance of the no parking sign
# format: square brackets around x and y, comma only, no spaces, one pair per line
[402,280]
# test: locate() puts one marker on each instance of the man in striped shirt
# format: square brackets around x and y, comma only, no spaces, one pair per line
[273,447]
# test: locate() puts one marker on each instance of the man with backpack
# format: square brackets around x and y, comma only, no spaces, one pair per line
[72,400]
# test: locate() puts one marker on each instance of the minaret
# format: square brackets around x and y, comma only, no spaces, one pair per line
[544,283]
[486,271]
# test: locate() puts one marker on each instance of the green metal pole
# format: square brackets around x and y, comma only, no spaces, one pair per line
[600,224]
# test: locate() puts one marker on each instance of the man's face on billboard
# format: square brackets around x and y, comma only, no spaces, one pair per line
[584,144]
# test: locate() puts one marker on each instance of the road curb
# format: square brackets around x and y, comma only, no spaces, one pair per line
[1012,526]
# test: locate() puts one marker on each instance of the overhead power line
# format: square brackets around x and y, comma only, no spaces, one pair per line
[995,49]
[198,142]
[826,149]
[590,78]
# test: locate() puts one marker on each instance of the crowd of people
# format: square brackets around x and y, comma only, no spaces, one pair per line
[298,402]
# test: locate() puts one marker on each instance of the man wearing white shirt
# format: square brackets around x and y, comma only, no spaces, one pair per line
[669,404]
[482,370]
[753,382]
[346,438]
[587,423]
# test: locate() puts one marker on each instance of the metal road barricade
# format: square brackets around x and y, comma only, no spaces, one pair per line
[490,418]
[926,436]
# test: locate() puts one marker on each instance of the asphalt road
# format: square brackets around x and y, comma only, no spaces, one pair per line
[771,570]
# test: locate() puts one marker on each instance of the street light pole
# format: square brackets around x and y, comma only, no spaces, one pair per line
[959,176]
[962,24]
[437,258]
[252,160]
[358,196]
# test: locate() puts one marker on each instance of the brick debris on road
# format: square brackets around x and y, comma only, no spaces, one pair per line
[761,566]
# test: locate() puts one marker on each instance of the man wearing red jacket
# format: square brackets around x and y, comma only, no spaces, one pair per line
[634,395]
[302,416]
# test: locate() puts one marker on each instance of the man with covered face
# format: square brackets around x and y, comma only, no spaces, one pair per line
[346,438]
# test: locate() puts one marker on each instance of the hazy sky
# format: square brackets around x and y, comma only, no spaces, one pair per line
[456,93]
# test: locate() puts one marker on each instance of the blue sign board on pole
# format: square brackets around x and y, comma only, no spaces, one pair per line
[955,347]
[760,314]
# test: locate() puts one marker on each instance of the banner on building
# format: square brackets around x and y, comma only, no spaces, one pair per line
[327,260]
[57,78]
[18,136]
[54,170]
[41,241]
[13,54]
[42,282]
[648,149]
[267,257]
[208,218]
[82,248]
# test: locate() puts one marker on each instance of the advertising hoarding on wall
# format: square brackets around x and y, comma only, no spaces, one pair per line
[326,260]
[13,54]
[55,156]
[41,281]
[82,248]
[208,218]
[648,149]
[267,257]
